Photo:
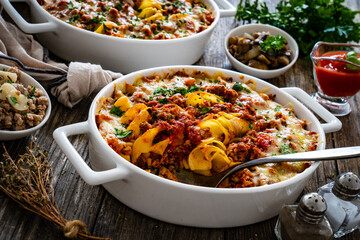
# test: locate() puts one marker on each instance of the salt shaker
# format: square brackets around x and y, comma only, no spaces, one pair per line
[343,200]
[305,220]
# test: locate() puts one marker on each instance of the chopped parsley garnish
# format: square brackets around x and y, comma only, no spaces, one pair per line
[251,125]
[273,43]
[74,18]
[239,104]
[96,20]
[122,134]
[32,93]
[194,88]
[169,92]
[105,27]
[71,6]
[204,110]
[116,111]
[239,87]
[277,108]
[14,100]
[163,100]
[285,149]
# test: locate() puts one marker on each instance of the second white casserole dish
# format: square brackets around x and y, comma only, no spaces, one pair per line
[185,204]
[118,54]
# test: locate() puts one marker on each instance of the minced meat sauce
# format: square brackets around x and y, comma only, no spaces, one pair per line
[141,19]
[204,123]
[21,107]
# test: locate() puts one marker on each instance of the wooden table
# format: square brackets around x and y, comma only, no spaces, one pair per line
[105,216]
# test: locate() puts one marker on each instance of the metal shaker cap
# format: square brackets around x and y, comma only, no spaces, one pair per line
[311,208]
[346,186]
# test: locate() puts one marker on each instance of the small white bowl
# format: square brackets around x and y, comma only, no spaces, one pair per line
[251,28]
[12,135]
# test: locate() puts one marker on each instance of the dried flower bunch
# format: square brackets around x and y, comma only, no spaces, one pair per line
[29,181]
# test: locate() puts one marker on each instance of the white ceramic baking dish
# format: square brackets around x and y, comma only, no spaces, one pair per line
[113,53]
[181,203]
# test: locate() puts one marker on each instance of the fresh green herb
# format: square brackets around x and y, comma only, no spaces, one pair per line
[277,108]
[105,27]
[124,125]
[163,100]
[352,57]
[14,100]
[273,44]
[116,111]
[32,93]
[151,98]
[239,87]
[285,149]
[308,21]
[118,6]
[122,134]
[194,88]
[204,110]
[239,104]
[74,18]
[251,126]
[96,20]
[71,6]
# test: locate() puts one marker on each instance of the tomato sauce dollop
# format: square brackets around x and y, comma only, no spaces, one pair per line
[334,78]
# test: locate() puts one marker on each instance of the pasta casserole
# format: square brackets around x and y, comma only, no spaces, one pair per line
[141,19]
[204,123]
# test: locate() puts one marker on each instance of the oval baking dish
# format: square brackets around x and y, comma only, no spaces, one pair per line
[118,54]
[181,203]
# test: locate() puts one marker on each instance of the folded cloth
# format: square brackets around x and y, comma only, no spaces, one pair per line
[69,84]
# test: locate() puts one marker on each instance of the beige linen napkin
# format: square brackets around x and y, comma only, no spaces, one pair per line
[69,84]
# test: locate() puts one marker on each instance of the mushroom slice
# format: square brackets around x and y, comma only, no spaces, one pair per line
[253,53]
[7,77]
[256,64]
[283,60]
[14,97]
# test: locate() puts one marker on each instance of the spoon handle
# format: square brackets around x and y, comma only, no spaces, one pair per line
[322,155]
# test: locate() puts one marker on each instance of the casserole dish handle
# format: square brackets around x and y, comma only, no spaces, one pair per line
[332,124]
[90,176]
[228,10]
[22,23]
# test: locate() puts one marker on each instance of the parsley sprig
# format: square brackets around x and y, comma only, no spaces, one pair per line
[122,134]
[273,44]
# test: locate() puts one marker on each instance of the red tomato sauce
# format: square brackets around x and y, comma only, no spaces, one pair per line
[335,79]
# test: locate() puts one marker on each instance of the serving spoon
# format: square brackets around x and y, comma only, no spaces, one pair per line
[321,155]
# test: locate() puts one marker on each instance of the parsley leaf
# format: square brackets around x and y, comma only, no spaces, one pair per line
[239,87]
[74,18]
[122,134]
[277,108]
[14,100]
[163,100]
[204,110]
[273,43]
[116,111]
[32,93]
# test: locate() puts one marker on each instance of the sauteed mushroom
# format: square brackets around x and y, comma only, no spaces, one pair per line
[256,51]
